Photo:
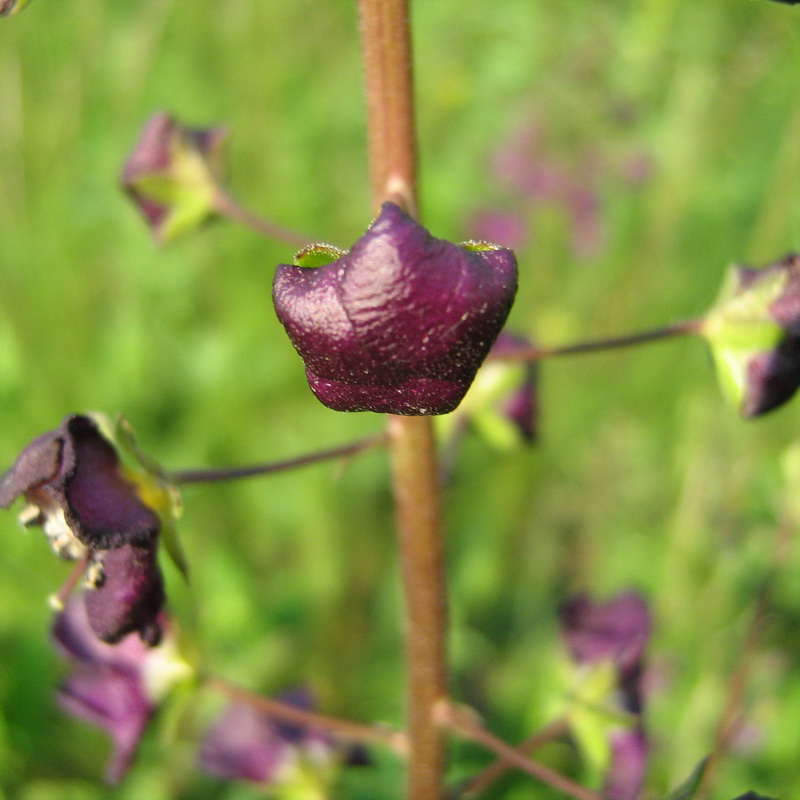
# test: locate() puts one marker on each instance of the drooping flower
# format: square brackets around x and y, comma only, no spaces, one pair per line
[245,743]
[400,323]
[606,642]
[117,688]
[754,334]
[172,175]
[91,508]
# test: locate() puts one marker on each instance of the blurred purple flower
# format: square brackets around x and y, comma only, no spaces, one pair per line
[521,404]
[754,334]
[504,227]
[76,490]
[402,322]
[615,631]
[247,744]
[625,774]
[114,687]
[172,174]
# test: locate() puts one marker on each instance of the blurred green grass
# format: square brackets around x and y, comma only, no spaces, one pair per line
[642,476]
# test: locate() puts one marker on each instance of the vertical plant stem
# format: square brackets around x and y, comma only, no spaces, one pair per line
[386,42]
[416,490]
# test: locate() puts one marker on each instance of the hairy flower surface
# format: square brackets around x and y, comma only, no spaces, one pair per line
[77,490]
[400,323]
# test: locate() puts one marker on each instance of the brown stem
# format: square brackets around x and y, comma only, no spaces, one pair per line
[185,476]
[535,353]
[59,600]
[226,206]
[465,724]
[417,499]
[354,731]
[475,785]
[386,43]
[731,719]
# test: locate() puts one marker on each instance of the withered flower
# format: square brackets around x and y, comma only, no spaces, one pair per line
[76,488]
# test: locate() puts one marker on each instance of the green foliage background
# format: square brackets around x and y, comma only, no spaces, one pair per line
[642,477]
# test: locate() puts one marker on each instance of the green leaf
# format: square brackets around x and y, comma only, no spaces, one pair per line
[689,787]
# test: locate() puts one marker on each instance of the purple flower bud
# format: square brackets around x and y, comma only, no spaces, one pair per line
[172,175]
[401,323]
[754,334]
[74,484]
[114,687]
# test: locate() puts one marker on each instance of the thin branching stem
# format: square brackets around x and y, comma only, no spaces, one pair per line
[286,712]
[465,723]
[537,353]
[226,206]
[475,785]
[185,476]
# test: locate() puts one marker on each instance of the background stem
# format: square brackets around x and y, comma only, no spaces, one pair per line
[386,43]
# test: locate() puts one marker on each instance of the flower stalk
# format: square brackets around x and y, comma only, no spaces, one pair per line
[539,353]
[386,43]
[214,475]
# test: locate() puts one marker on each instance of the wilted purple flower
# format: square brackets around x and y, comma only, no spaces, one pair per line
[172,175]
[402,322]
[754,333]
[245,743]
[615,631]
[114,687]
[75,488]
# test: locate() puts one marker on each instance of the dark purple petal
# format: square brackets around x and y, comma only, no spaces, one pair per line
[616,630]
[101,506]
[76,469]
[625,775]
[244,744]
[401,323]
[130,595]
[37,464]
[106,686]
[773,377]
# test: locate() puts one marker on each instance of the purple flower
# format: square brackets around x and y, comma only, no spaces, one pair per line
[401,323]
[172,175]
[89,509]
[114,687]
[245,743]
[614,632]
[754,334]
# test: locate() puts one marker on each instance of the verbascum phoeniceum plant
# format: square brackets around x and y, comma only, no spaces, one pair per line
[410,326]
